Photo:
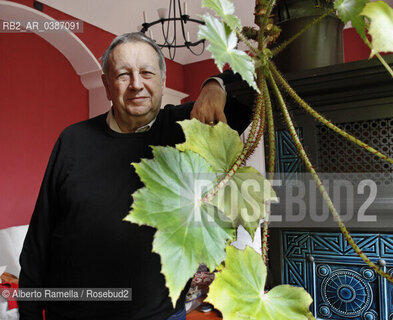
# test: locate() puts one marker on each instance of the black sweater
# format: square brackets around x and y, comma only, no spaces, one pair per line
[76,237]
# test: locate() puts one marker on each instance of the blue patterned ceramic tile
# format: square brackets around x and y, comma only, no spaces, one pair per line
[288,161]
[341,284]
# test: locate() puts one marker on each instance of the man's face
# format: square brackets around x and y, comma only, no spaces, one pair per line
[134,82]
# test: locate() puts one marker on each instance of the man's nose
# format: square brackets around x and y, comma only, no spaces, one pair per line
[136,82]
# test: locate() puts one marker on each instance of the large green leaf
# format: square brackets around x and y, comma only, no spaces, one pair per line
[222,45]
[243,199]
[189,232]
[219,145]
[225,9]
[349,10]
[381,26]
[239,291]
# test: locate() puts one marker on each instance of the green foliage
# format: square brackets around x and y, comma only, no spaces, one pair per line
[349,10]
[189,232]
[219,145]
[239,291]
[194,229]
[381,26]
[176,180]
[225,10]
[243,199]
[223,42]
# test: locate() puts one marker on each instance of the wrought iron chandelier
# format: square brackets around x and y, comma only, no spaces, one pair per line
[169,19]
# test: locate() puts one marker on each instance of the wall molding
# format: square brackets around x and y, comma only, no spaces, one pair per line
[73,49]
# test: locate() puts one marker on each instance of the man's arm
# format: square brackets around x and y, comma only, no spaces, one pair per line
[215,104]
[34,256]
[209,106]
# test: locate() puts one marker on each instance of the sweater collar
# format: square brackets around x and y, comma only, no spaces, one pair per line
[111,122]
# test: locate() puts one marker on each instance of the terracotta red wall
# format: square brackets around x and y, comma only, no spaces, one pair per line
[40,95]
[175,75]
[197,73]
[354,48]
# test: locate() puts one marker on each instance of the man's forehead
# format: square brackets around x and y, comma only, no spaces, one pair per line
[124,51]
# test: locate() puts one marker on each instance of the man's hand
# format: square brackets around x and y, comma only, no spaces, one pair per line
[209,106]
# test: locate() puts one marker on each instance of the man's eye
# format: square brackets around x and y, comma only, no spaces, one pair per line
[147,72]
[123,76]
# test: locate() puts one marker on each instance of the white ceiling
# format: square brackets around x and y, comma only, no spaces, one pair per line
[120,16]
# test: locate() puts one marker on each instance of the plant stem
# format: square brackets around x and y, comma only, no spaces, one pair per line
[266,16]
[382,60]
[262,100]
[318,182]
[262,85]
[319,117]
[249,144]
[282,46]
[270,171]
[272,147]
[247,43]
[258,135]
[257,122]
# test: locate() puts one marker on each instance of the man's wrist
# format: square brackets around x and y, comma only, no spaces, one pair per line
[217,80]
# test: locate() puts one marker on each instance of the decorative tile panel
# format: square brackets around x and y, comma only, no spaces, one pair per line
[341,284]
[296,271]
[389,289]
[288,161]
[368,243]
[327,244]
[346,292]
[387,246]
[296,244]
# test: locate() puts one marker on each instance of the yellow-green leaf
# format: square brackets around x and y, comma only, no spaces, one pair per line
[189,232]
[224,9]
[219,145]
[243,199]
[223,42]
[381,26]
[238,291]
[349,10]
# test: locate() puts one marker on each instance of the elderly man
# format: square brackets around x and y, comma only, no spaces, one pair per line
[77,238]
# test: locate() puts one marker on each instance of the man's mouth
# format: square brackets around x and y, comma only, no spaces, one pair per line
[137,99]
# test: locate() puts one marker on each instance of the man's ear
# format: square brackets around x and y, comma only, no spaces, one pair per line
[163,83]
[105,82]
